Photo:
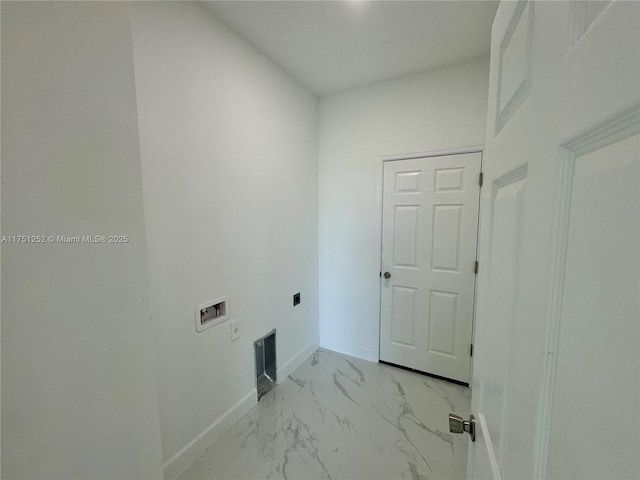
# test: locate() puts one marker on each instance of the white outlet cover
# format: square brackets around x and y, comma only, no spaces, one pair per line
[235,330]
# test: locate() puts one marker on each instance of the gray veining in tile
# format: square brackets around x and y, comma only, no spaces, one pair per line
[341,418]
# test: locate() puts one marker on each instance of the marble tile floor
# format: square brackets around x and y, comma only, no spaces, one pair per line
[338,418]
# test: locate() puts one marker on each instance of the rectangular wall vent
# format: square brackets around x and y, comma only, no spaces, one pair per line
[266,369]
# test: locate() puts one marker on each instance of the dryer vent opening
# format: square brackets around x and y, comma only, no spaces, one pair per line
[265,354]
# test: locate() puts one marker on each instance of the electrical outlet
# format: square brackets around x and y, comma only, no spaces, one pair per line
[296,299]
[235,330]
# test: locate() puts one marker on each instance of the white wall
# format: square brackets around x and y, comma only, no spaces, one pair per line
[439,109]
[229,159]
[79,395]
[0,248]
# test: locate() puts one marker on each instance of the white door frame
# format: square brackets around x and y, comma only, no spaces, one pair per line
[379,199]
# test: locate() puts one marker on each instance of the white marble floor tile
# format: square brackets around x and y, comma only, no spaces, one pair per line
[341,418]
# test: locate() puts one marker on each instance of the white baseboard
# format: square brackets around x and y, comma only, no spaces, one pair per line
[285,370]
[349,349]
[188,454]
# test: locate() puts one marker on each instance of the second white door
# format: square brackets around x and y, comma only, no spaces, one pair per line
[429,237]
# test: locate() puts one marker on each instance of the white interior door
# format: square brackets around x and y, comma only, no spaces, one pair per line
[555,391]
[429,238]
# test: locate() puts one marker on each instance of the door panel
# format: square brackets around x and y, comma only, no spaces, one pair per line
[442,322]
[597,344]
[503,266]
[447,221]
[430,215]
[405,235]
[403,315]
[408,182]
[557,358]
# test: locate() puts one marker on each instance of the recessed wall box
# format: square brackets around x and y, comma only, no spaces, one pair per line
[266,369]
[212,313]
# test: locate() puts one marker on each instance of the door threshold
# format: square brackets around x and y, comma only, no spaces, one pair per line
[450,380]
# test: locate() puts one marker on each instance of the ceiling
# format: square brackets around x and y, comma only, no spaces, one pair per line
[331,46]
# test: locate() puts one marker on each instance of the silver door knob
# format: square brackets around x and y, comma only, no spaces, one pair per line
[458,425]
[387,275]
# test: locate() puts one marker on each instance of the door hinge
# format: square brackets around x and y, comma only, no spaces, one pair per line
[481,178]
[471,350]
[475,268]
